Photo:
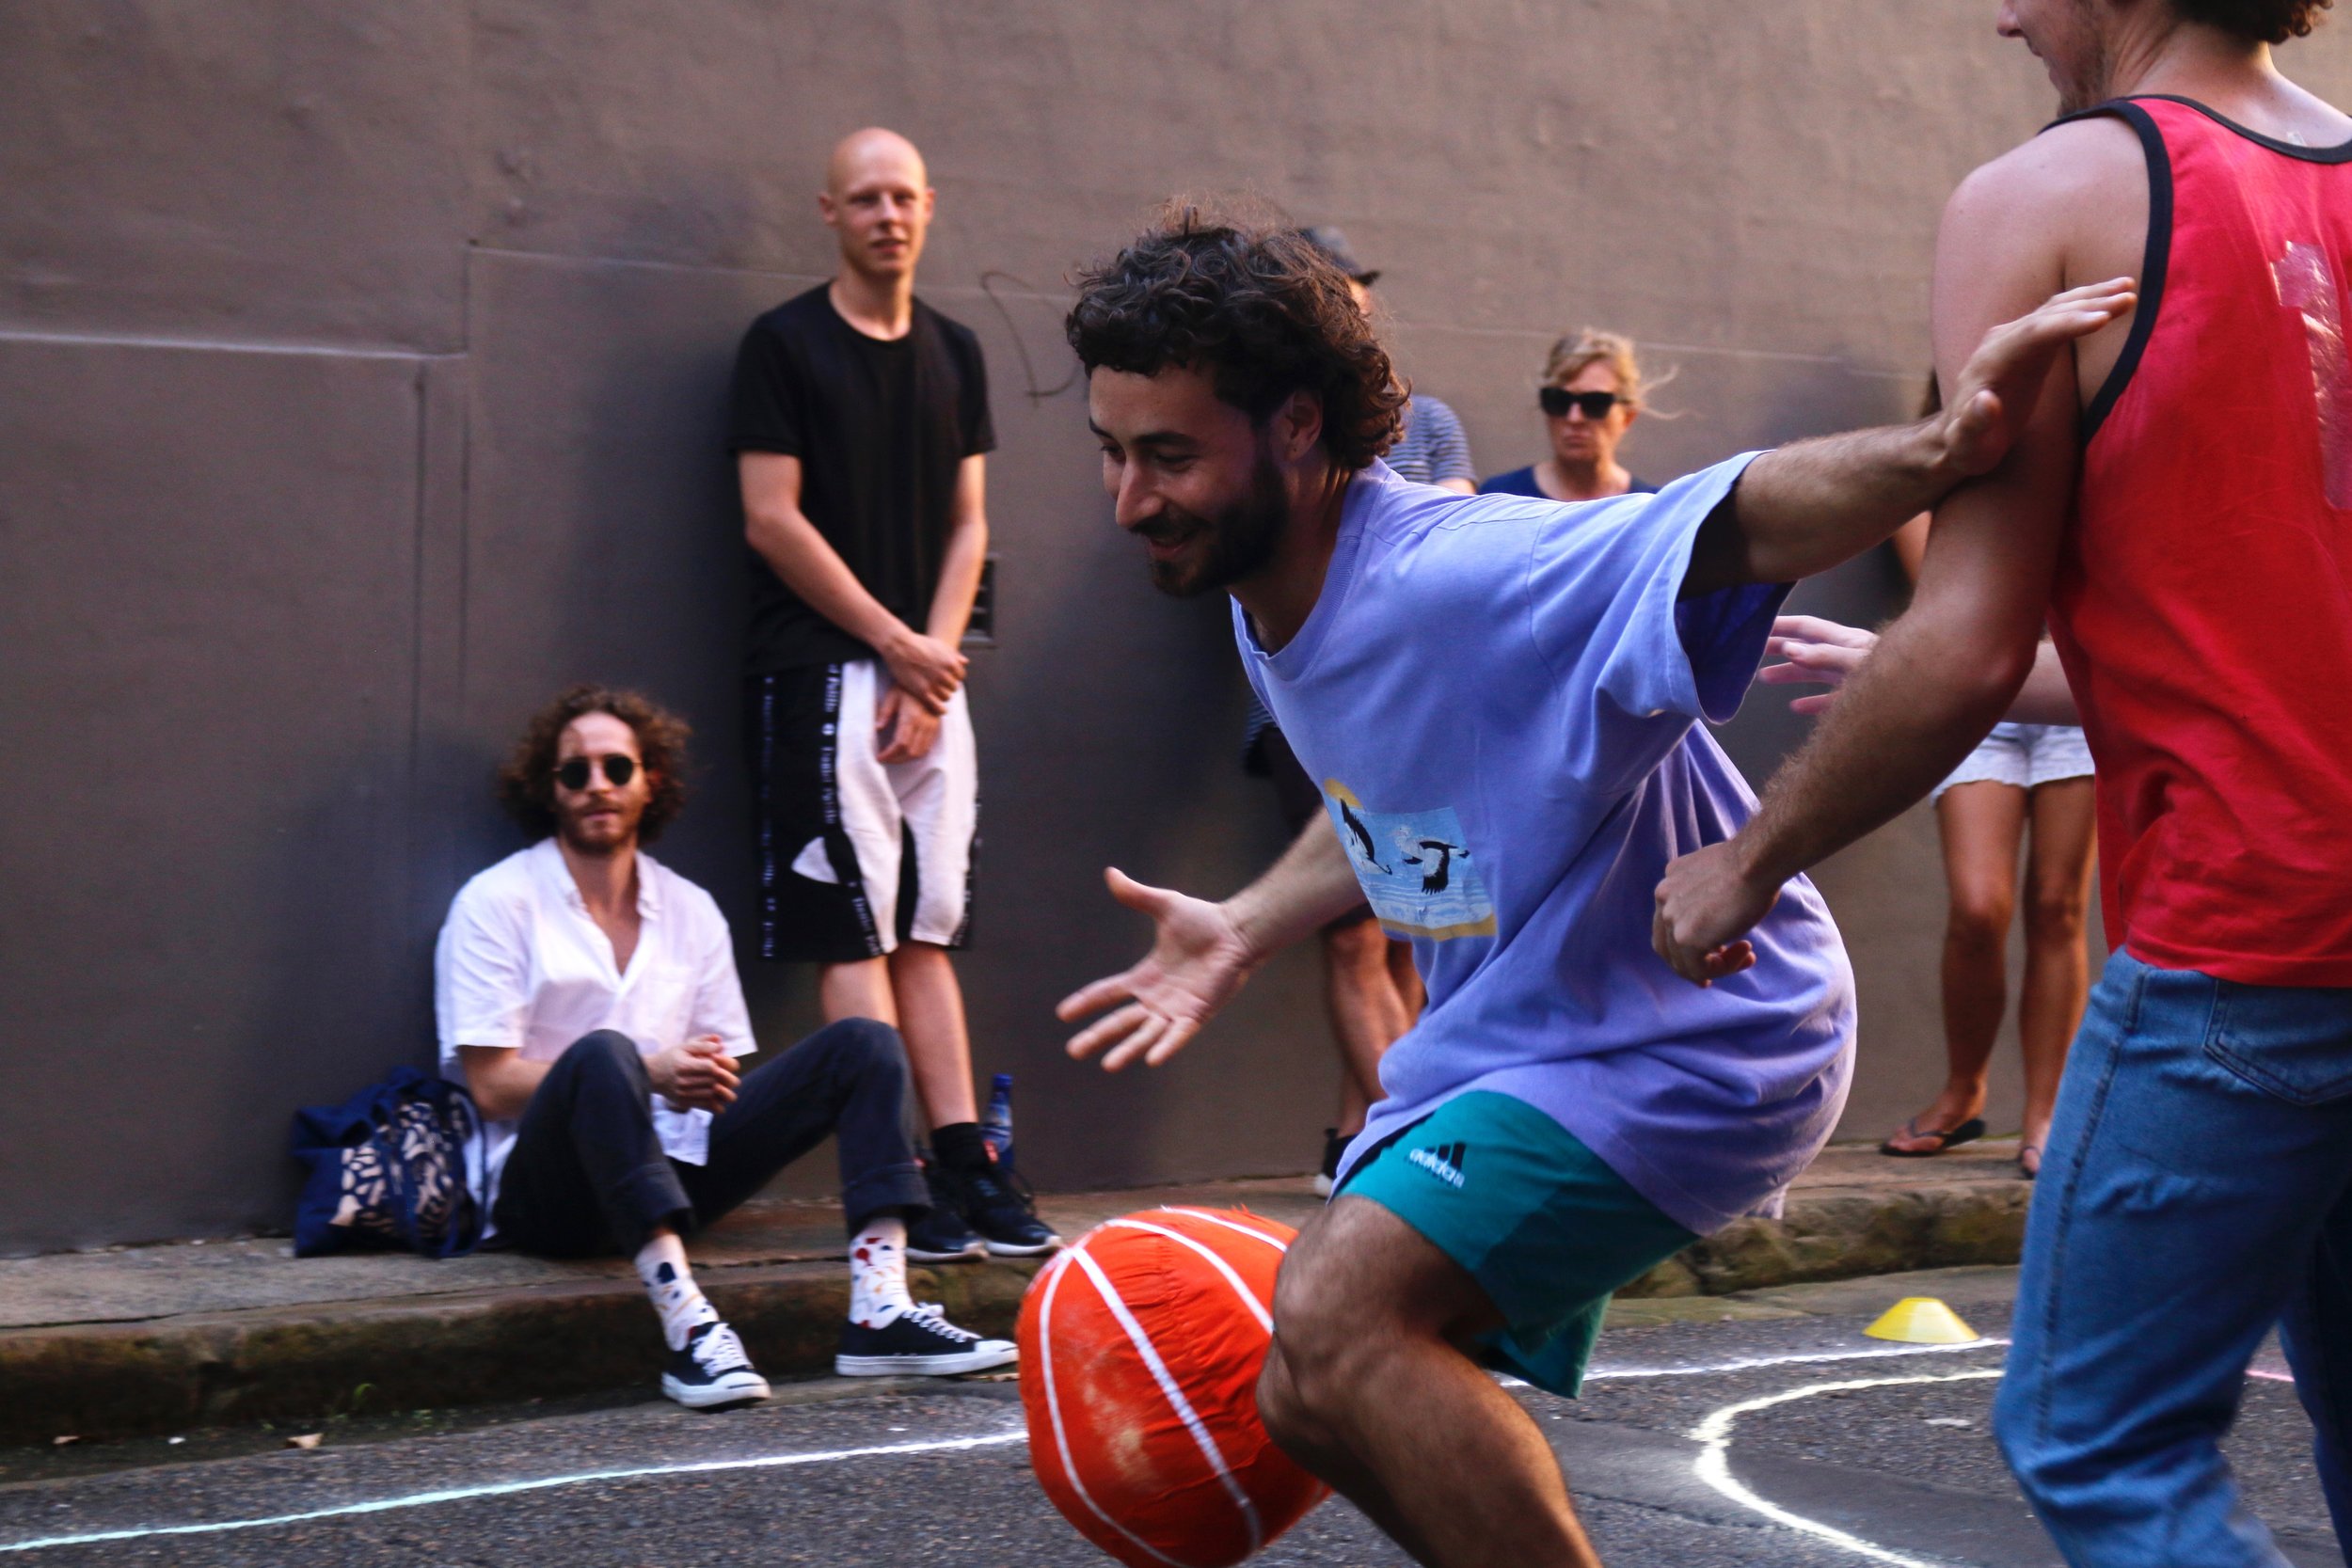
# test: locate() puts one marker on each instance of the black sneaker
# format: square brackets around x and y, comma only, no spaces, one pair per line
[712,1370]
[920,1344]
[1001,1209]
[1334,1146]
[939,1235]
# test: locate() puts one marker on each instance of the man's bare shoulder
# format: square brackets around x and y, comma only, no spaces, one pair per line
[2055,174]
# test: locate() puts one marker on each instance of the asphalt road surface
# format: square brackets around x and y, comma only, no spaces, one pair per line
[1780,1442]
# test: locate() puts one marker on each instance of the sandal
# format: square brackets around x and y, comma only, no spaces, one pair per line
[1949,1138]
[2035,1170]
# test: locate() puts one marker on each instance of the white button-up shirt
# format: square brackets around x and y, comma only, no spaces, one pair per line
[520,966]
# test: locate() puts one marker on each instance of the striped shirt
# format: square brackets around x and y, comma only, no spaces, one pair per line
[1433,448]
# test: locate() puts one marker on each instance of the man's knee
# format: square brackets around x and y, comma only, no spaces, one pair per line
[1328,1326]
[604,1051]
[1286,1413]
[862,1049]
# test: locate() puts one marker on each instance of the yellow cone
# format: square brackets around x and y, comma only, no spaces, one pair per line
[1921,1321]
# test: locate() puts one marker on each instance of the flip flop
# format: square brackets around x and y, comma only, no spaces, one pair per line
[1947,1139]
[2035,1170]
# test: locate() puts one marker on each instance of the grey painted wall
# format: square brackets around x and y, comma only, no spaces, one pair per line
[360,378]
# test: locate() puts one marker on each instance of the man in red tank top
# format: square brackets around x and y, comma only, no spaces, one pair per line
[2184,519]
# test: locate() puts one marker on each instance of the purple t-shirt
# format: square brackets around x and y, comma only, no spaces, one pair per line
[1498,697]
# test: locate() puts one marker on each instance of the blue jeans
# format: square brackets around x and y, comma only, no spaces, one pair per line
[2197,1189]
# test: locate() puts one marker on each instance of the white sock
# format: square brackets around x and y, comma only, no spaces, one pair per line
[663,1266]
[878,1272]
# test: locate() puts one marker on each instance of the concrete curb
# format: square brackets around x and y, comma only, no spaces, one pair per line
[345,1358]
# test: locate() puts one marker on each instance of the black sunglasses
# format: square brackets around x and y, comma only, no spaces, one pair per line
[618,769]
[1557,400]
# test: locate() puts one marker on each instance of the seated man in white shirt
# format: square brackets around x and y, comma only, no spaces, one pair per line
[588,1000]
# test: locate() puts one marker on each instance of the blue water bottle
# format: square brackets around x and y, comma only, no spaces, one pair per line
[997,1121]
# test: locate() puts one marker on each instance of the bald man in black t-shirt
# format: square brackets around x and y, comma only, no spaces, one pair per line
[860,421]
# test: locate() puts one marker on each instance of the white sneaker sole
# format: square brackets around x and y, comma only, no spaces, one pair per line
[735,1388]
[1013,1249]
[1322,1186]
[987,1354]
[972,1254]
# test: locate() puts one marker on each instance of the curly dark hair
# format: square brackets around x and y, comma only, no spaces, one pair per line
[1260,307]
[2263,21]
[526,784]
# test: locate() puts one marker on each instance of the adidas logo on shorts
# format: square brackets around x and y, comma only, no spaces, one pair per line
[1443,1161]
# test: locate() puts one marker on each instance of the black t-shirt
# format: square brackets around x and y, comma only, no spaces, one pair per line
[880,428]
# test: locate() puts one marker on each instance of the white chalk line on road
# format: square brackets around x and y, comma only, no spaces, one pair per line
[1748,1364]
[510,1488]
[1713,1464]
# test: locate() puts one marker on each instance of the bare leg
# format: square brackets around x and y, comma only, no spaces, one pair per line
[1365,1388]
[860,990]
[931,1016]
[1367,1014]
[1408,977]
[1981,825]
[2057,967]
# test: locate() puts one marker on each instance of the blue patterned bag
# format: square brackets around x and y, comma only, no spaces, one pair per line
[387,1169]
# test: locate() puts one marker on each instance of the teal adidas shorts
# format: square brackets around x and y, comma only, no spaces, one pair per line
[1547,1231]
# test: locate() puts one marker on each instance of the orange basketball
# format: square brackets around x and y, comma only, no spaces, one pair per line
[1140,1346]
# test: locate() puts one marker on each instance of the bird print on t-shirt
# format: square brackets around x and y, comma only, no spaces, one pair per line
[1434,881]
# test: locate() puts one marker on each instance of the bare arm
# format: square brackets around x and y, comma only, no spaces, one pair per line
[2045,698]
[697,1073]
[1944,674]
[1911,545]
[908,728]
[1203,953]
[1459,486]
[775,527]
[500,1081]
[967,551]
[1814,652]
[1810,505]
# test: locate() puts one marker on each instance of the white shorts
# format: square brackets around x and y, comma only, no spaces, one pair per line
[2024,757]
[855,854]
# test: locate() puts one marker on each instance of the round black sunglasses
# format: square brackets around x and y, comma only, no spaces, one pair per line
[618,769]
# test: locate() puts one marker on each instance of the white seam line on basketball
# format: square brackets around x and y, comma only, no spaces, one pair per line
[1249,1299]
[1275,1241]
[508,1488]
[1183,1406]
[1713,1464]
[1053,1404]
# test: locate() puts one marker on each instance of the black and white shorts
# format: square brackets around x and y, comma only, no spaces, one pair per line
[857,855]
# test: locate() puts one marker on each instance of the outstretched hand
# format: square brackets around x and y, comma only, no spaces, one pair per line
[1198,960]
[1998,389]
[1814,652]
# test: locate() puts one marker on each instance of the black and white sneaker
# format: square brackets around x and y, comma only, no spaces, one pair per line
[918,1343]
[1001,1209]
[712,1370]
[939,1235]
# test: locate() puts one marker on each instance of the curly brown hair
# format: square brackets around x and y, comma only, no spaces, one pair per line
[2263,21]
[526,786]
[1260,307]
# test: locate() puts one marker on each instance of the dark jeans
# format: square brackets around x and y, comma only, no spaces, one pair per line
[587,1175]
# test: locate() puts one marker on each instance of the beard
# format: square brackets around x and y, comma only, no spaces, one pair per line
[603,837]
[1239,537]
[2088,77]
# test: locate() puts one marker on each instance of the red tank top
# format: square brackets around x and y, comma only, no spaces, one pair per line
[2203,603]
